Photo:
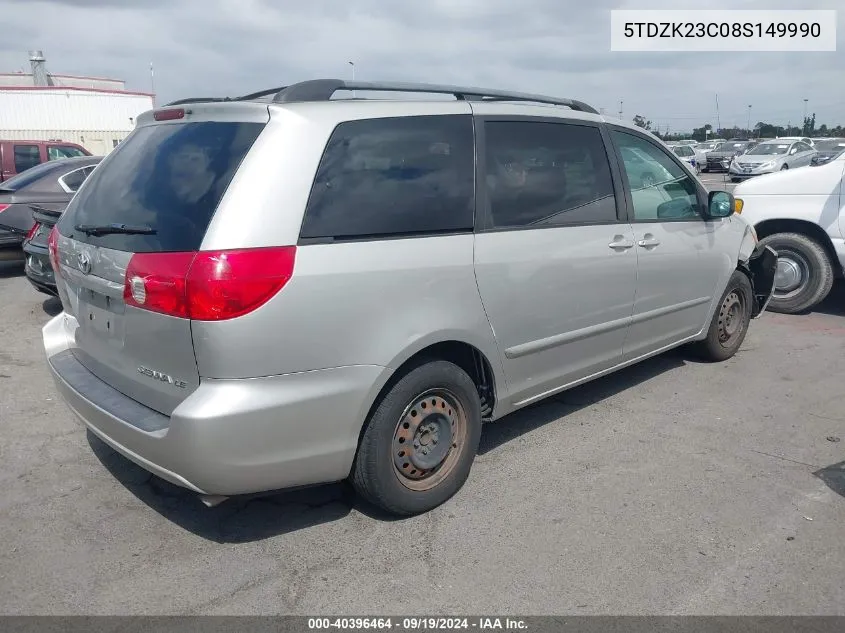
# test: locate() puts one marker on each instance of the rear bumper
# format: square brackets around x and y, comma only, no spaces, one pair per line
[228,437]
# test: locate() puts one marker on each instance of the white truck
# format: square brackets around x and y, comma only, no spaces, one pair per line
[800,213]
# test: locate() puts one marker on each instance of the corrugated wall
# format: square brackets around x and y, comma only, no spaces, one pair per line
[97,121]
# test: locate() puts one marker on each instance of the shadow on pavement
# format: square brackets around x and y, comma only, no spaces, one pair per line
[526,420]
[11,269]
[834,303]
[834,477]
[238,520]
[256,517]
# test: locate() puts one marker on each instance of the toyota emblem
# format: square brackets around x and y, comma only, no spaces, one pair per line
[84,262]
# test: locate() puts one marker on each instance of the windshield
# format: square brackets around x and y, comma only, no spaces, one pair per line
[769,149]
[834,145]
[706,146]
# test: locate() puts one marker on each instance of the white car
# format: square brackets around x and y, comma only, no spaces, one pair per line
[801,215]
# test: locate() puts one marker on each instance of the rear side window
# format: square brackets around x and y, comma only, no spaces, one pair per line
[168,178]
[547,174]
[26,156]
[394,176]
[55,152]
[73,180]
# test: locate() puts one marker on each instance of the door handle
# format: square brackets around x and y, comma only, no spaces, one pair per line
[619,243]
[648,241]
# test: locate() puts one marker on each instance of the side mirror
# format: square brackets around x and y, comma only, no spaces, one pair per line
[720,204]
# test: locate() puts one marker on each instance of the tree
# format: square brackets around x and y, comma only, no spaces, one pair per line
[640,121]
[823,129]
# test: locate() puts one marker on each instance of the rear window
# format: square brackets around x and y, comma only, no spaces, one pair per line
[394,176]
[169,178]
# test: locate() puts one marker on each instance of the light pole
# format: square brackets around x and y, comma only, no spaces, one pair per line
[620,109]
[353,76]
[749,120]
[805,116]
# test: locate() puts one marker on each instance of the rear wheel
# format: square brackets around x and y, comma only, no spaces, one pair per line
[804,274]
[420,441]
[730,322]
[785,166]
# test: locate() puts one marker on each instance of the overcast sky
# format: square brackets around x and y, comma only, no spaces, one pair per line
[559,47]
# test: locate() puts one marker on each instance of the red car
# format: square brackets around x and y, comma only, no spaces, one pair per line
[18,156]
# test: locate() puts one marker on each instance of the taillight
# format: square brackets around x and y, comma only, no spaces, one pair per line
[207,285]
[31,232]
[53,249]
[3,207]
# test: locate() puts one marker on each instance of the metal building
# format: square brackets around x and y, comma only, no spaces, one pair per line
[97,113]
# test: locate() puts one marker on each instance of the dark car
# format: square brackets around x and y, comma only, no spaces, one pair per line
[45,188]
[720,158]
[828,149]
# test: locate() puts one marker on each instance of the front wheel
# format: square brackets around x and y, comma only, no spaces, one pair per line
[785,167]
[804,273]
[730,322]
[420,441]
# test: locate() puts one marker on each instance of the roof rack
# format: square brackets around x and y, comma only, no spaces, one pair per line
[323,89]
[249,97]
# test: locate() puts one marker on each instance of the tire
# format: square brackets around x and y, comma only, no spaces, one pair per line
[729,324]
[385,473]
[734,179]
[705,170]
[804,264]
[784,167]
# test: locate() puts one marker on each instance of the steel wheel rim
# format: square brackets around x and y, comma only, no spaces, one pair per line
[428,439]
[731,318]
[791,275]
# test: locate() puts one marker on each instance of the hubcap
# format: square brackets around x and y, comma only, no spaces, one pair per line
[791,274]
[428,439]
[731,317]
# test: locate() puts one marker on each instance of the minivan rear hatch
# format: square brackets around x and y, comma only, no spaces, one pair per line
[146,208]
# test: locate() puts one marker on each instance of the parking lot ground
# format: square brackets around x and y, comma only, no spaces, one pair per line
[672,487]
[715,181]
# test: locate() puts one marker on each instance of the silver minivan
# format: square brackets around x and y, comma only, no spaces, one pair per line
[294,287]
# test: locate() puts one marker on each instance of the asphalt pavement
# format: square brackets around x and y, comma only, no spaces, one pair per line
[672,487]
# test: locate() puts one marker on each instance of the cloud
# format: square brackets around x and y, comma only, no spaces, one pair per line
[230,47]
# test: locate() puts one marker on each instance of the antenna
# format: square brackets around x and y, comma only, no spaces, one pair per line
[153,83]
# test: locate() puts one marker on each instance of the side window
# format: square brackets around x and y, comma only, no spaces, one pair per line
[394,176]
[56,152]
[73,180]
[26,156]
[803,147]
[547,174]
[660,189]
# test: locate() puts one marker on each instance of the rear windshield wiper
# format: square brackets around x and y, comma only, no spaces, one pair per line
[111,229]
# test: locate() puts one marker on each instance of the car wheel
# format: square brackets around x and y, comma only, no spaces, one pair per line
[705,170]
[420,441]
[730,322]
[785,166]
[804,274]
[734,179]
